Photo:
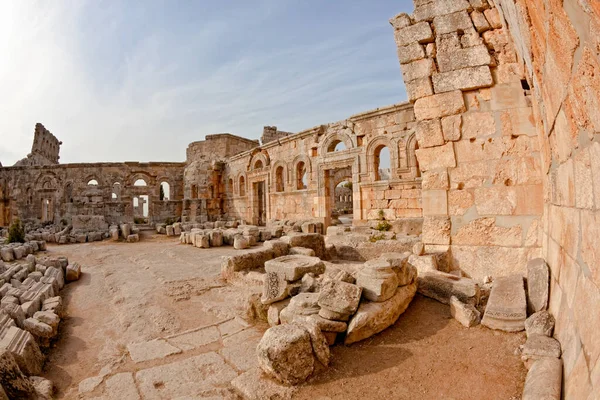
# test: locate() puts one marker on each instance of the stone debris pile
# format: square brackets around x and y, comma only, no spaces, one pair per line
[312,307]
[30,312]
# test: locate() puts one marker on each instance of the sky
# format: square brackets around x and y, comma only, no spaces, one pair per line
[139,81]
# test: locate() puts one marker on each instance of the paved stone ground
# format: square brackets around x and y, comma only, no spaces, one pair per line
[153,320]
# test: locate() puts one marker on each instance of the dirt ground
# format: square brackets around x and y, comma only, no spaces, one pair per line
[131,293]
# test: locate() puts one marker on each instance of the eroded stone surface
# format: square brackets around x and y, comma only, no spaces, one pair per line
[151,350]
[506,308]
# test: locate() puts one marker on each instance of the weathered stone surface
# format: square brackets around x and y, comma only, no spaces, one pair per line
[372,318]
[439,105]
[300,306]
[544,380]
[340,297]
[24,349]
[194,339]
[318,342]
[332,315]
[507,307]
[44,388]
[463,79]
[423,263]
[452,22]
[240,242]
[442,286]
[459,59]
[145,351]
[339,275]
[378,280]
[38,328]
[12,380]
[293,267]
[418,69]
[189,378]
[275,288]
[436,157]
[302,251]
[53,304]
[538,346]
[429,133]
[420,33]
[410,53]
[285,353]
[428,11]
[540,323]
[252,385]
[538,285]
[314,241]
[275,310]
[73,272]
[419,88]
[466,314]
[327,325]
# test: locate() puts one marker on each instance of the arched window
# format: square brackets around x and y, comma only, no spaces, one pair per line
[165,191]
[382,163]
[279,185]
[116,191]
[69,193]
[336,145]
[230,185]
[140,182]
[301,176]
[29,196]
[258,164]
[194,192]
[242,186]
[93,182]
[211,190]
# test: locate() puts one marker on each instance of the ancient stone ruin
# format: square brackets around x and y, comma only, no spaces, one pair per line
[490,205]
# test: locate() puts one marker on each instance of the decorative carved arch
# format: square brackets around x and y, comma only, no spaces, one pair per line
[241,182]
[256,155]
[373,149]
[274,179]
[47,180]
[333,139]
[93,177]
[133,177]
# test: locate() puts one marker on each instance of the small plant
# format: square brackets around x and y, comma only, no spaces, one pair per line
[381,215]
[16,232]
[376,238]
[383,226]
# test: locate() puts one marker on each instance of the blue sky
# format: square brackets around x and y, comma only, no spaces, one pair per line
[125,80]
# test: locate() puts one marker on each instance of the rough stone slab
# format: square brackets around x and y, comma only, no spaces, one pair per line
[187,378]
[275,288]
[314,241]
[327,325]
[429,133]
[293,267]
[418,69]
[466,314]
[121,386]
[442,286]
[538,285]
[457,59]
[372,318]
[195,339]
[538,346]
[427,12]
[88,385]
[544,380]
[254,385]
[507,307]
[452,22]
[24,349]
[462,79]
[378,280]
[340,297]
[240,349]
[540,323]
[275,310]
[232,327]
[12,380]
[412,52]
[145,351]
[417,33]
[439,105]
[419,88]
[285,353]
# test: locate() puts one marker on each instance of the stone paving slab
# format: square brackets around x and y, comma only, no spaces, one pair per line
[232,327]
[252,385]
[122,386]
[195,339]
[240,349]
[191,377]
[145,351]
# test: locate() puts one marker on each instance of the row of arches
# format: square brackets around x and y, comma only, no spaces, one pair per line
[164,189]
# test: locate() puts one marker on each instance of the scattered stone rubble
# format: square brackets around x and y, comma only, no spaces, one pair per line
[30,312]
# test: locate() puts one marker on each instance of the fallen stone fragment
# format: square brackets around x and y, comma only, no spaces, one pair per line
[293,267]
[314,241]
[310,284]
[240,243]
[55,305]
[332,315]
[15,384]
[318,342]
[252,385]
[43,387]
[466,314]
[73,272]
[507,306]
[24,349]
[544,380]
[340,297]
[423,263]
[538,285]
[540,323]
[378,280]
[538,346]
[38,329]
[327,325]
[418,249]
[337,274]
[442,286]
[285,353]
[372,318]
[133,238]
[302,251]
[275,288]
[275,310]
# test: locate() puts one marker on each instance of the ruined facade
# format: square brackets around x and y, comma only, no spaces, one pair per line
[497,150]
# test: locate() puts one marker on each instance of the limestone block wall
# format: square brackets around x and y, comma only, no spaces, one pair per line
[558,42]
[281,164]
[45,149]
[56,193]
[482,192]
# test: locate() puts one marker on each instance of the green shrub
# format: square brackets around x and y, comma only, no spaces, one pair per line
[376,238]
[16,232]
[383,226]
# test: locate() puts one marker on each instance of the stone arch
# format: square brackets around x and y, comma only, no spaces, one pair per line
[373,150]
[411,157]
[241,182]
[256,155]
[333,139]
[132,178]
[279,174]
[299,162]
[92,177]
[47,180]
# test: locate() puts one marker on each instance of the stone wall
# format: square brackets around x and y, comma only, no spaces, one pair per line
[45,149]
[271,133]
[558,42]
[277,169]
[56,193]
[482,192]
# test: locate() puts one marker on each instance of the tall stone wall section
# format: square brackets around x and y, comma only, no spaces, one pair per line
[558,42]
[482,192]
[44,150]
